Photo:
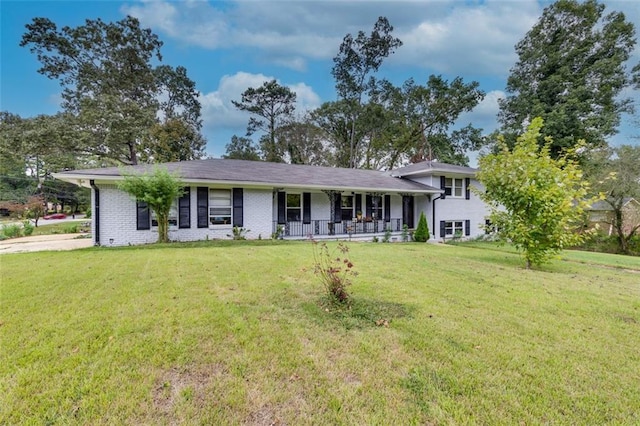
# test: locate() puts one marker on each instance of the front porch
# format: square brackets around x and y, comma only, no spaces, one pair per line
[342,229]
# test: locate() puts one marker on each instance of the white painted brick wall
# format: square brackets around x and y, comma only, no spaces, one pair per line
[118,215]
[473,210]
[118,219]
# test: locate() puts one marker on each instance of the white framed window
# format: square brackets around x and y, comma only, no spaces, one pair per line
[294,207]
[173,216]
[219,207]
[454,187]
[376,207]
[454,228]
[346,202]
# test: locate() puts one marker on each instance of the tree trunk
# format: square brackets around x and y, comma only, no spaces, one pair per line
[133,155]
[617,224]
[163,231]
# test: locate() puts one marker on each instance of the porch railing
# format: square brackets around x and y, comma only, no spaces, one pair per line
[329,227]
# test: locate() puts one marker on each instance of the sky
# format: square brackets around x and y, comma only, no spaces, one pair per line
[229,46]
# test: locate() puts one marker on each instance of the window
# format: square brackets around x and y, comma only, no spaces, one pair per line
[454,228]
[454,187]
[347,207]
[375,206]
[220,207]
[173,216]
[294,207]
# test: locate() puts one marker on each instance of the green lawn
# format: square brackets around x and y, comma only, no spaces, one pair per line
[238,333]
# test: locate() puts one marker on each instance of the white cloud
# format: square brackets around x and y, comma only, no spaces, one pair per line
[475,40]
[219,113]
[484,115]
[442,35]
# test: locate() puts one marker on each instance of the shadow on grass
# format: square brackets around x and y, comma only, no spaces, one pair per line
[200,244]
[357,314]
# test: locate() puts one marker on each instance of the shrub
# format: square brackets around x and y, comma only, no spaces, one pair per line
[334,269]
[88,213]
[387,235]
[422,231]
[405,233]
[12,231]
[27,228]
[71,228]
[238,233]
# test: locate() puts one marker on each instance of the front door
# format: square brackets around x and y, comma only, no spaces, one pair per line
[407,211]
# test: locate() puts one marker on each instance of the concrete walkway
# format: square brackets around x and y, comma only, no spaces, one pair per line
[45,242]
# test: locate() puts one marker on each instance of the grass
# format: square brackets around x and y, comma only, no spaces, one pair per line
[239,333]
[68,227]
[45,228]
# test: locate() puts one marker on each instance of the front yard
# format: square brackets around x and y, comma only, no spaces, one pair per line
[239,333]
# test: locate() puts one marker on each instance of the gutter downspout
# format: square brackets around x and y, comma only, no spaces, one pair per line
[433,216]
[96,212]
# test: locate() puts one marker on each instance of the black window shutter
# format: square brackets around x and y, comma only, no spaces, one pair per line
[369,203]
[467,227]
[143,216]
[467,193]
[337,214]
[387,208]
[442,182]
[306,207]
[238,212]
[282,208]
[184,209]
[358,203]
[442,229]
[203,207]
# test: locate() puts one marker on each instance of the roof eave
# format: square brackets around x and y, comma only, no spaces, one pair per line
[83,180]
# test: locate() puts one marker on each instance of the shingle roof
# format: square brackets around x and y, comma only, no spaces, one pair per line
[426,168]
[258,173]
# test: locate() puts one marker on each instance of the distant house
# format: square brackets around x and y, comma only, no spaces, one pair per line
[291,201]
[601,214]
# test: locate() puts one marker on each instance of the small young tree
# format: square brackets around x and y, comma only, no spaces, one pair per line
[536,201]
[159,190]
[35,208]
[422,231]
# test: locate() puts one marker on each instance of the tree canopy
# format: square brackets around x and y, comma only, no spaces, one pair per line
[111,86]
[571,71]
[355,65]
[159,189]
[536,201]
[271,105]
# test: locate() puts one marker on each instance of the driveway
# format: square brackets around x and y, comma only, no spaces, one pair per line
[44,242]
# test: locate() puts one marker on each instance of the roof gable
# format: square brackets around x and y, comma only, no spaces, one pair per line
[428,168]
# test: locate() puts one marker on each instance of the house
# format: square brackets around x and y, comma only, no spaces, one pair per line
[291,201]
[601,214]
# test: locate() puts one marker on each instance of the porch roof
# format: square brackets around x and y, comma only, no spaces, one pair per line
[261,174]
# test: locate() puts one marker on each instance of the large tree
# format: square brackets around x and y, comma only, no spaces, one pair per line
[571,71]
[355,65]
[536,201]
[270,105]
[616,173]
[304,143]
[241,148]
[421,117]
[31,149]
[110,83]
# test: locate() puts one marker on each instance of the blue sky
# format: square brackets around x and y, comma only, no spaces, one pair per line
[230,46]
